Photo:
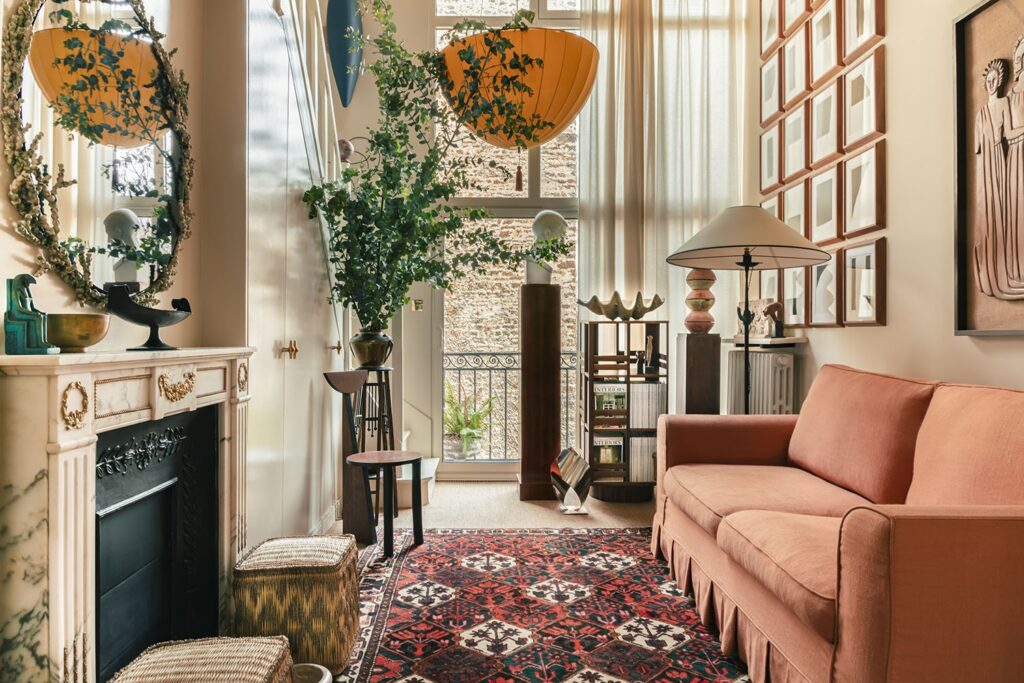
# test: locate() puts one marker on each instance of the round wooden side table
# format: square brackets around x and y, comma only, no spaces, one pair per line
[388,461]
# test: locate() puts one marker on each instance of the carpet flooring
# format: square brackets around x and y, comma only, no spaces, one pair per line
[529,605]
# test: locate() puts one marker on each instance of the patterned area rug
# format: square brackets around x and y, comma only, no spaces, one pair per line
[515,606]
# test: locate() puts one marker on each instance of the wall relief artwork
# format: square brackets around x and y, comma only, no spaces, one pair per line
[990,169]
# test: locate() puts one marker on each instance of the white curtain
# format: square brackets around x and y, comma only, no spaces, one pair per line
[661,143]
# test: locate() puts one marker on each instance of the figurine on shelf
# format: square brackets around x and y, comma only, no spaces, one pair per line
[774,312]
[700,301]
[547,226]
[24,324]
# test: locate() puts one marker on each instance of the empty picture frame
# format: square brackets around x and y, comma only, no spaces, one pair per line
[773,205]
[794,207]
[794,297]
[826,117]
[794,68]
[794,138]
[771,89]
[826,60]
[826,208]
[863,26]
[771,162]
[864,283]
[794,12]
[771,25]
[864,101]
[864,192]
[826,293]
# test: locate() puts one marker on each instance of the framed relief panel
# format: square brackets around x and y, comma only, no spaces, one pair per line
[864,101]
[794,297]
[826,60]
[826,116]
[864,283]
[771,163]
[826,293]
[825,217]
[794,68]
[794,12]
[794,137]
[864,192]
[794,207]
[773,205]
[771,25]
[863,26]
[771,89]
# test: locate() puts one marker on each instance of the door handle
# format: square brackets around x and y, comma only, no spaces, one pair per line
[337,348]
[292,349]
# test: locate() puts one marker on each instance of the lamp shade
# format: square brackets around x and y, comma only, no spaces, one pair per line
[772,244]
[560,86]
[46,57]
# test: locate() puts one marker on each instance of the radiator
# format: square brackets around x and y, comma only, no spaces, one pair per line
[772,382]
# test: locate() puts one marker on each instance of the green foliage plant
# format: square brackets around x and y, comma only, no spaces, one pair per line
[462,419]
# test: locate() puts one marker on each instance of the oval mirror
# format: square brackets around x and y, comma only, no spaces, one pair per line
[94,117]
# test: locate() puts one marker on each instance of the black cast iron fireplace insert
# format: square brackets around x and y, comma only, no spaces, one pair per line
[156,536]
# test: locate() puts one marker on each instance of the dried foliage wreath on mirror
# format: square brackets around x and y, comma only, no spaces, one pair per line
[33,190]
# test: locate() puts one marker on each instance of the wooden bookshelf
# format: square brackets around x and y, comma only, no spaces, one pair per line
[630,355]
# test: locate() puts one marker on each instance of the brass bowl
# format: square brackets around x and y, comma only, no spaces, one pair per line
[74,332]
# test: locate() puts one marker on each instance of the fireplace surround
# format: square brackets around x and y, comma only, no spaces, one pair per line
[53,412]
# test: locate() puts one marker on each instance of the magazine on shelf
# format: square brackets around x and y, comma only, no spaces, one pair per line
[642,464]
[647,402]
[609,397]
[608,450]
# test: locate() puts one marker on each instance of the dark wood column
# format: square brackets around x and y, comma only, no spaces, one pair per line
[540,414]
[700,356]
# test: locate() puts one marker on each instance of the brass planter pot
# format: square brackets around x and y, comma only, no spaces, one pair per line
[372,348]
[75,332]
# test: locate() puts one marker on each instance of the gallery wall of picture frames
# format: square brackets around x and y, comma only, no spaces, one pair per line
[823,156]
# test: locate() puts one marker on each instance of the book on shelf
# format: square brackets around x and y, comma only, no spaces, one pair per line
[609,396]
[647,402]
[642,450]
[608,450]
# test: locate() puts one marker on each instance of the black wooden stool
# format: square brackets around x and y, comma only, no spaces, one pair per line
[388,461]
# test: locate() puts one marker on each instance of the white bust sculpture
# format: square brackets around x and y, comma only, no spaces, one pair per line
[548,225]
[122,225]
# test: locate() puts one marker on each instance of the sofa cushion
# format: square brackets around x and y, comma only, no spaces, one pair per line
[707,493]
[971,448]
[858,430]
[793,556]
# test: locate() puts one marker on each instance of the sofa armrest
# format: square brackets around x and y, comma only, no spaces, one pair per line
[930,594]
[723,439]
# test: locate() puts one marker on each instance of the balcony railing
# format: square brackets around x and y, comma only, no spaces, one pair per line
[495,376]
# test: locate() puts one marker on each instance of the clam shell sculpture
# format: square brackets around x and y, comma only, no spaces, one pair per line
[615,309]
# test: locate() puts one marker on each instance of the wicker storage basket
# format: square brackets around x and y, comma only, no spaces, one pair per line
[212,660]
[305,588]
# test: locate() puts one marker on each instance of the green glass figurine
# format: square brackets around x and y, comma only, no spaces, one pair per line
[24,324]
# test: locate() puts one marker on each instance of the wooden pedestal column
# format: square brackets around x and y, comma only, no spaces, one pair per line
[540,413]
[699,359]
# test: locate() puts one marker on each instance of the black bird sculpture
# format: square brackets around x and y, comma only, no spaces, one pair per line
[119,302]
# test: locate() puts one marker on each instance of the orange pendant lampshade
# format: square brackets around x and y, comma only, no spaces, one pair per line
[560,86]
[46,58]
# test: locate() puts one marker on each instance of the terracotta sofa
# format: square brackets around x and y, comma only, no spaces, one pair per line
[877,536]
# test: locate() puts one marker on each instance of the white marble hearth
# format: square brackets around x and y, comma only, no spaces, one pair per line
[51,410]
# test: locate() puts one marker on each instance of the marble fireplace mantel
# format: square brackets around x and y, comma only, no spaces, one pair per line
[51,410]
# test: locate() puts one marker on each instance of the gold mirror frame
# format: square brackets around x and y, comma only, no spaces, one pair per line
[33,190]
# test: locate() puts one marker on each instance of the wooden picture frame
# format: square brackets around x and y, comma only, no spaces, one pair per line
[773,205]
[863,27]
[825,202]
[793,14]
[796,129]
[864,101]
[793,205]
[771,159]
[825,298]
[865,272]
[794,297]
[771,79]
[826,44]
[826,123]
[864,200]
[795,81]
[771,35]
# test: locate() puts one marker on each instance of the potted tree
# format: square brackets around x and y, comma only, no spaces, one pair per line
[390,217]
[464,424]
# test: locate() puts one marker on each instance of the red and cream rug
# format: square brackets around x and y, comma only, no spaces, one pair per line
[517,606]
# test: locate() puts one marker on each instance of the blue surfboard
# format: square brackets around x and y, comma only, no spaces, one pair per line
[342,15]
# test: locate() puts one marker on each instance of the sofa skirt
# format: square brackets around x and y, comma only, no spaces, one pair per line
[739,634]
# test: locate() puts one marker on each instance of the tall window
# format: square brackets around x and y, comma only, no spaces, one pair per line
[481,316]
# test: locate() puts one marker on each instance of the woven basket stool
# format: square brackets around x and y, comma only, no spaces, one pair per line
[212,660]
[305,588]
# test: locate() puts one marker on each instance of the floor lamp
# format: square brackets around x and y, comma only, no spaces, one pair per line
[747,238]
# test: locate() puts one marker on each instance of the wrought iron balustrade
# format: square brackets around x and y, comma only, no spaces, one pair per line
[480,377]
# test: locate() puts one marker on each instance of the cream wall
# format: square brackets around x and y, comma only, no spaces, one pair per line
[183,20]
[919,339]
